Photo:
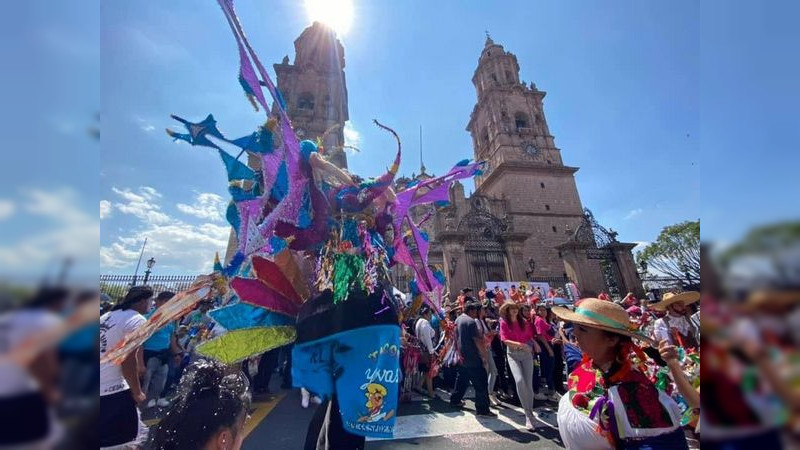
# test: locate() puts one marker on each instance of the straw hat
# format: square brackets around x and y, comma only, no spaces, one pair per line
[450,307]
[669,298]
[603,315]
[507,304]
[772,299]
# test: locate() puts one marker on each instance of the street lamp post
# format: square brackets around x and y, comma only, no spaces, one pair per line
[150,263]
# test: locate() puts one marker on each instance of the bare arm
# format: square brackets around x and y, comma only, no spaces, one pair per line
[670,354]
[45,370]
[130,370]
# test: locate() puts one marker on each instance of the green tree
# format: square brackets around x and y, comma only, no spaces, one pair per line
[770,242]
[676,252]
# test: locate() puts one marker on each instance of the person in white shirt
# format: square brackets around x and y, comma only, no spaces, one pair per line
[120,423]
[425,334]
[28,394]
[675,327]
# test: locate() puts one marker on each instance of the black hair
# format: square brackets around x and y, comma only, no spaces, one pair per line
[134,295]
[166,295]
[48,296]
[471,305]
[209,399]
[86,295]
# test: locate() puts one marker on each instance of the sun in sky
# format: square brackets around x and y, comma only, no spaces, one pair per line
[337,14]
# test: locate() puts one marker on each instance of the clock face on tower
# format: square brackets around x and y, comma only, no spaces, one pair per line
[530,150]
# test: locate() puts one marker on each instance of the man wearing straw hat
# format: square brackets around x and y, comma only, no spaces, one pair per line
[676,327]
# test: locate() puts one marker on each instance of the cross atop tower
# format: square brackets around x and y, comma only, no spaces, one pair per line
[489,40]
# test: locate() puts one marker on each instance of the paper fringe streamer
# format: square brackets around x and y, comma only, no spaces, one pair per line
[348,273]
[177,306]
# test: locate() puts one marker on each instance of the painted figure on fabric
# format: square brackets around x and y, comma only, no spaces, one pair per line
[375,394]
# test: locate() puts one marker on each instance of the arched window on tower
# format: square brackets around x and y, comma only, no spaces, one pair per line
[521,121]
[305,101]
[539,122]
[494,78]
[509,78]
[485,137]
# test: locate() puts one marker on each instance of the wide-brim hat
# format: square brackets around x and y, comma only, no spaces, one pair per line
[603,315]
[507,304]
[772,299]
[449,307]
[687,298]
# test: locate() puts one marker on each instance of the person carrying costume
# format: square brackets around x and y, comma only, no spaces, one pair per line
[675,327]
[611,403]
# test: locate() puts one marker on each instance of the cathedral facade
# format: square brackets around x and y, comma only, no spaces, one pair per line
[525,220]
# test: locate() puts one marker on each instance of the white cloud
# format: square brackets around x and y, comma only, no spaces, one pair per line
[141,204]
[206,206]
[144,124]
[633,213]
[640,245]
[74,232]
[105,209]
[175,244]
[351,136]
[7,208]
[60,205]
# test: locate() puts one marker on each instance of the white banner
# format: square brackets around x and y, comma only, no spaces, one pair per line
[523,286]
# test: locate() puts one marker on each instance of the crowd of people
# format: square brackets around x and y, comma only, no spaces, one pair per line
[515,347]
[624,374]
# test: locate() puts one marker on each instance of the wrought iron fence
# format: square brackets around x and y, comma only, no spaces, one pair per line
[116,286]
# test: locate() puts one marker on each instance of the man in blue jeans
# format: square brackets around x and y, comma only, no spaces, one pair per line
[475,359]
[158,351]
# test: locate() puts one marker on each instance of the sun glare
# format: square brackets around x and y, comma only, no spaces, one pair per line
[337,14]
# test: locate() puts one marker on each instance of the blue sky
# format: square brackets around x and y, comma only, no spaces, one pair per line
[639,97]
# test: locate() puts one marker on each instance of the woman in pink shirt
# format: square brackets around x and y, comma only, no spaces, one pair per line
[546,334]
[517,334]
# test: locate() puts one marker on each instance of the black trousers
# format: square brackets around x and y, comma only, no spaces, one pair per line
[498,353]
[286,374]
[119,420]
[558,368]
[266,367]
[480,382]
[326,431]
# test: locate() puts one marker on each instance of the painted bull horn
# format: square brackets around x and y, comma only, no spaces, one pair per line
[354,199]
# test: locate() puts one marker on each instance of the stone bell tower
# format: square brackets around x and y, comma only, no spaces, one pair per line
[524,167]
[315,89]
